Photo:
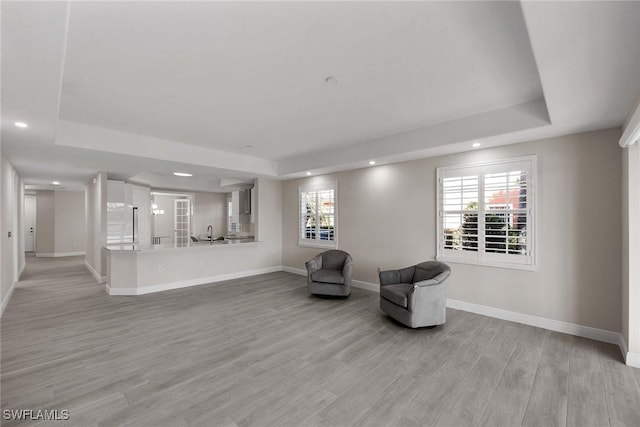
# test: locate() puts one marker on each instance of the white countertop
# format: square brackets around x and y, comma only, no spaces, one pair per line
[162,247]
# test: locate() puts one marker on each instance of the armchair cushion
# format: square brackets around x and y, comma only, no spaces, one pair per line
[397,294]
[392,277]
[333,260]
[328,276]
[421,274]
[428,270]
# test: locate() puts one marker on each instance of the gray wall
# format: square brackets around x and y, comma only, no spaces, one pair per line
[70,228]
[387,218]
[60,223]
[45,223]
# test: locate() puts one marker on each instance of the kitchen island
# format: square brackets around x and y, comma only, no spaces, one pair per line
[135,269]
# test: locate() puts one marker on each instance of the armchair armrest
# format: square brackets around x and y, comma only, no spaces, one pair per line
[441,277]
[429,282]
[428,295]
[313,265]
[347,270]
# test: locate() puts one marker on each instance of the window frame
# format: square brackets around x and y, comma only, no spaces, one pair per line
[481,256]
[317,242]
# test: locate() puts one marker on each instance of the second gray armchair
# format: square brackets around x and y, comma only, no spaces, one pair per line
[329,273]
[415,296]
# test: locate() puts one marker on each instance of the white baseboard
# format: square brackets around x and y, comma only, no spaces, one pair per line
[633,359]
[5,301]
[365,285]
[540,322]
[623,347]
[187,283]
[58,254]
[98,277]
[292,270]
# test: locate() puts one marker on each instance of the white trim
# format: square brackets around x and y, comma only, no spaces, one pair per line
[187,283]
[6,300]
[631,131]
[119,291]
[623,347]
[493,264]
[294,270]
[355,283]
[365,285]
[633,359]
[98,277]
[58,254]
[308,243]
[540,322]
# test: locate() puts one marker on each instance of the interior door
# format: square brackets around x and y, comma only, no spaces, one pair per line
[29,223]
[182,222]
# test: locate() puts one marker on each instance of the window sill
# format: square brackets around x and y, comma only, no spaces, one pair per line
[494,264]
[329,245]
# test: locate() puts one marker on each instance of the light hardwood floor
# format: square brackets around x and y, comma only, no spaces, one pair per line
[262,351]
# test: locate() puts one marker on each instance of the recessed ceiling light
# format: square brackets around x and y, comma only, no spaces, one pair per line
[55,182]
[330,80]
[182,174]
[372,162]
[21,124]
[476,145]
[308,173]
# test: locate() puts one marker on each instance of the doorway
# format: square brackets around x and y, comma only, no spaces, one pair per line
[182,221]
[29,223]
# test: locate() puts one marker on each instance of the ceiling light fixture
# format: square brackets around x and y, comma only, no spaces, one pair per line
[21,124]
[308,173]
[55,182]
[372,162]
[182,174]
[476,145]
[330,80]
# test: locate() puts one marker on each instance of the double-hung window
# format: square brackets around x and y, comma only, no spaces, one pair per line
[486,213]
[318,215]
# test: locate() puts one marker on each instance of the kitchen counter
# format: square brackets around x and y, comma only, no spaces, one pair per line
[142,269]
[163,247]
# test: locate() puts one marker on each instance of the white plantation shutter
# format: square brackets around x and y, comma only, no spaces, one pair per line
[318,214]
[485,213]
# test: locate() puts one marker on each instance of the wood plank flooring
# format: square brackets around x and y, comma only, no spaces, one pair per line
[260,351]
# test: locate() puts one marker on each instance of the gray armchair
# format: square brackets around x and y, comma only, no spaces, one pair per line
[329,273]
[415,296]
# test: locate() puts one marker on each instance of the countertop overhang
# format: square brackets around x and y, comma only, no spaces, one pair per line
[167,247]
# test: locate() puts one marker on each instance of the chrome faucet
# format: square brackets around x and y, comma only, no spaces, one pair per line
[210,231]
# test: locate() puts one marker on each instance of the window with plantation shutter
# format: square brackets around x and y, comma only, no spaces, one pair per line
[485,213]
[318,215]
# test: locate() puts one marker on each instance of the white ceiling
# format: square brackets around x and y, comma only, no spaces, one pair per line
[139,89]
